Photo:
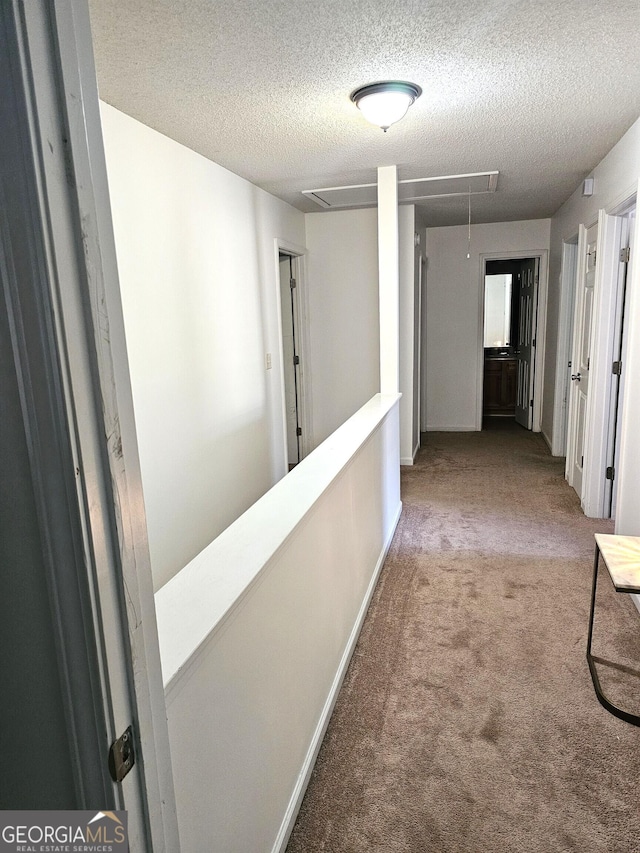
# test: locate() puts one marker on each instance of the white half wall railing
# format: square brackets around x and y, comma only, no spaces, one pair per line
[256,634]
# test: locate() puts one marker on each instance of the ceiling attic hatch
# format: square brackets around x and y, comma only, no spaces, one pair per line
[416,189]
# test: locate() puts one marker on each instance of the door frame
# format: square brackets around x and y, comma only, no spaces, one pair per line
[418,344]
[627,518]
[611,233]
[70,239]
[423,343]
[619,353]
[541,329]
[298,253]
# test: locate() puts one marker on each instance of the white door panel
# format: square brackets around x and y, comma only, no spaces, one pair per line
[526,336]
[582,355]
[578,459]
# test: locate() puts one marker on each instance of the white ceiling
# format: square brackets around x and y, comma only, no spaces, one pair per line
[537,89]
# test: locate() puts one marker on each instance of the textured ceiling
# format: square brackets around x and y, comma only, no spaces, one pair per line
[537,89]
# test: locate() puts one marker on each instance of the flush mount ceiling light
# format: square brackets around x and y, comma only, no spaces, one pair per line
[387,102]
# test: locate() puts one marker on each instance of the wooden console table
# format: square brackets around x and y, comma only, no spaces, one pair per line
[621,556]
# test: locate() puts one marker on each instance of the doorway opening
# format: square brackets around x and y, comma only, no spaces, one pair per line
[291,360]
[509,341]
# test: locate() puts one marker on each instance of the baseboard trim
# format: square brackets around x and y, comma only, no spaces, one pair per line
[410,460]
[452,428]
[316,742]
[547,441]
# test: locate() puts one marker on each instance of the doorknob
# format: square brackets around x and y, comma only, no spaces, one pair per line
[576,376]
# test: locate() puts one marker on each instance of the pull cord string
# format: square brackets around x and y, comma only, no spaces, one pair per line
[469,240]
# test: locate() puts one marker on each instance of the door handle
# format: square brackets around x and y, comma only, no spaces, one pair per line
[576,377]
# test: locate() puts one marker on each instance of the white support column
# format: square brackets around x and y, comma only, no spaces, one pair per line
[388,279]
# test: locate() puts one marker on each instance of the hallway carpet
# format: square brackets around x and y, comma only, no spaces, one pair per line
[467,720]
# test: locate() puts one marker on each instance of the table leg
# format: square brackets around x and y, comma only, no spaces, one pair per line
[634,719]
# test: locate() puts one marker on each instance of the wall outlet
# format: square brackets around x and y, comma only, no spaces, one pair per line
[267,361]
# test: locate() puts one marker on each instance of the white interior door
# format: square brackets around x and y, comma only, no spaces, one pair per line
[570,273]
[580,361]
[526,336]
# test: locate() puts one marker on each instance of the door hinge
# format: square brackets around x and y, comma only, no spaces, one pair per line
[611,473]
[616,368]
[292,283]
[582,461]
[296,359]
[531,404]
[588,362]
[298,430]
[533,342]
[122,756]
[625,255]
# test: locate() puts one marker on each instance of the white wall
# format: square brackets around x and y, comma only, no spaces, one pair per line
[275,606]
[197,264]
[453,311]
[342,275]
[343,295]
[615,180]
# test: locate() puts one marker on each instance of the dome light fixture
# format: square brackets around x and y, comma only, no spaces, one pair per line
[386,102]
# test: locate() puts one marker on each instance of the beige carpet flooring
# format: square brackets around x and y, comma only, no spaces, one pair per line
[467,720]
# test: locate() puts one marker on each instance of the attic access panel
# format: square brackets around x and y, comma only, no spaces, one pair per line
[357,195]
[415,189]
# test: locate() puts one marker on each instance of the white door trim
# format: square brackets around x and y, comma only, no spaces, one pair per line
[618,353]
[418,272]
[423,344]
[541,329]
[598,426]
[597,407]
[299,253]
[72,211]
[627,516]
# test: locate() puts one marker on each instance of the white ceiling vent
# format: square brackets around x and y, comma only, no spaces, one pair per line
[417,189]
